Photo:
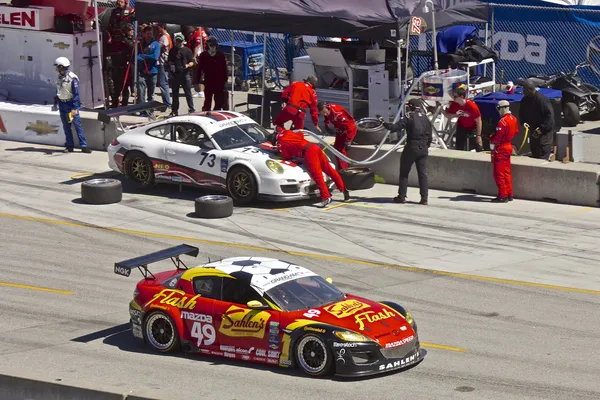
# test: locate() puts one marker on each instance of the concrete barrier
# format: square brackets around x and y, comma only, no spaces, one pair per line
[460,171]
[37,388]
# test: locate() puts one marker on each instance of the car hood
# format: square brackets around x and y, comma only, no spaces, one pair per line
[374,320]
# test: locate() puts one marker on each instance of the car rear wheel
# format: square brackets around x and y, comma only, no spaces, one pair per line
[313,356]
[160,332]
[139,169]
[241,185]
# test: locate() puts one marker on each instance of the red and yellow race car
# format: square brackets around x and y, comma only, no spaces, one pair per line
[267,311]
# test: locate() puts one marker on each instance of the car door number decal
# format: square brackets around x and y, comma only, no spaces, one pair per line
[211,159]
[204,334]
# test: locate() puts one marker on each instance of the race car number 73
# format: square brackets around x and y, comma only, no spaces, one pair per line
[211,161]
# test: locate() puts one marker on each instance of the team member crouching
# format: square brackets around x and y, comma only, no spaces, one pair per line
[345,128]
[292,144]
[501,146]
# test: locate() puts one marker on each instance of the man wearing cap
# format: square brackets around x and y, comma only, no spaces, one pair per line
[419,135]
[469,120]
[181,62]
[213,65]
[501,146]
[298,97]
[537,112]
[345,127]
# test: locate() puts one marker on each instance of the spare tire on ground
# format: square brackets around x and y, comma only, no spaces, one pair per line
[102,191]
[357,178]
[369,131]
[214,206]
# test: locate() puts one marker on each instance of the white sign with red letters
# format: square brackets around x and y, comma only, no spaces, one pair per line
[32,18]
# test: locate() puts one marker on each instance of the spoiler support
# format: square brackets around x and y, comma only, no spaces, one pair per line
[124,267]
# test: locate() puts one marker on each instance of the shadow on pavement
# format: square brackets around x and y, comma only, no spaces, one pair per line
[183,192]
[36,150]
[468,197]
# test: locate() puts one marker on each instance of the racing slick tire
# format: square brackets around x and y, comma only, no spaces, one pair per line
[139,169]
[571,114]
[101,191]
[357,178]
[241,185]
[313,356]
[369,131]
[161,333]
[214,206]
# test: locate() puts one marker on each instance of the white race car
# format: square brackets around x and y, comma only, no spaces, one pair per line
[213,149]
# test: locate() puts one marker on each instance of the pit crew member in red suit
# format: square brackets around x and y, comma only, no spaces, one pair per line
[501,146]
[298,97]
[469,120]
[292,144]
[345,127]
[213,65]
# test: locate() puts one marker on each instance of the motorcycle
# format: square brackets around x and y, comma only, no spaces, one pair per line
[578,98]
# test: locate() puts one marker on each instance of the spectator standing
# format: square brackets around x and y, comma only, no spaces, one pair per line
[163,74]
[148,67]
[469,123]
[181,64]
[419,135]
[536,111]
[212,64]
[197,44]
[68,104]
[121,53]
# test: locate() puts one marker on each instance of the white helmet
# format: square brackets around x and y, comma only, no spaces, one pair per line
[62,62]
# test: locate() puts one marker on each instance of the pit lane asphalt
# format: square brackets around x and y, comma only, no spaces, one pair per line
[479,277]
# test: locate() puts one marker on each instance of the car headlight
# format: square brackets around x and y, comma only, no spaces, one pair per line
[409,318]
[274,166]
[351,336]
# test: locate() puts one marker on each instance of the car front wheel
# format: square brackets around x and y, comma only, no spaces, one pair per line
[313,356]
[161,333]
[241,185]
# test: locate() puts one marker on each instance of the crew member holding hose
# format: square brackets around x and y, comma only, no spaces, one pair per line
[298,97]
[537,112]
[419,135]
[501,146]
[345,127]
[292,144]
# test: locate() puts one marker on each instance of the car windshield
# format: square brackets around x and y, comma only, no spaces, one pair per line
[304,293]
[240,136]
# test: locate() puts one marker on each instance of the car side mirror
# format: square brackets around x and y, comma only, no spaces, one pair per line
[329,280]
[256,305]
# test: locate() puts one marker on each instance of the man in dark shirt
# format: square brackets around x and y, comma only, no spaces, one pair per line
[213,64]
[419,135]
[181,62]
[121,53]
[537,112]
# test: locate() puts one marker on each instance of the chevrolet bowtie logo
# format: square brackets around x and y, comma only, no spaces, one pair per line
[42,127]
[89,43]
[62,45]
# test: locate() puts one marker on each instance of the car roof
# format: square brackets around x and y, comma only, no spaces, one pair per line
[211,121]
[261,273]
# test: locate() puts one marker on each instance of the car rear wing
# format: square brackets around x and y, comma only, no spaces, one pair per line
[106,115]
[124,267]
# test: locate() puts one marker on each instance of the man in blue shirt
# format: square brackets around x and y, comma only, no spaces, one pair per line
[67,102]
[148,67]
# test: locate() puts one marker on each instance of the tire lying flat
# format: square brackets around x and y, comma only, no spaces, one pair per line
[357,178]
[214,206]
[101,191]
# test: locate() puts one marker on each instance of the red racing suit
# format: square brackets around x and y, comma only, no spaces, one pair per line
[214,69]
[501,144]
[345,127]
[292,144]
[298,97]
